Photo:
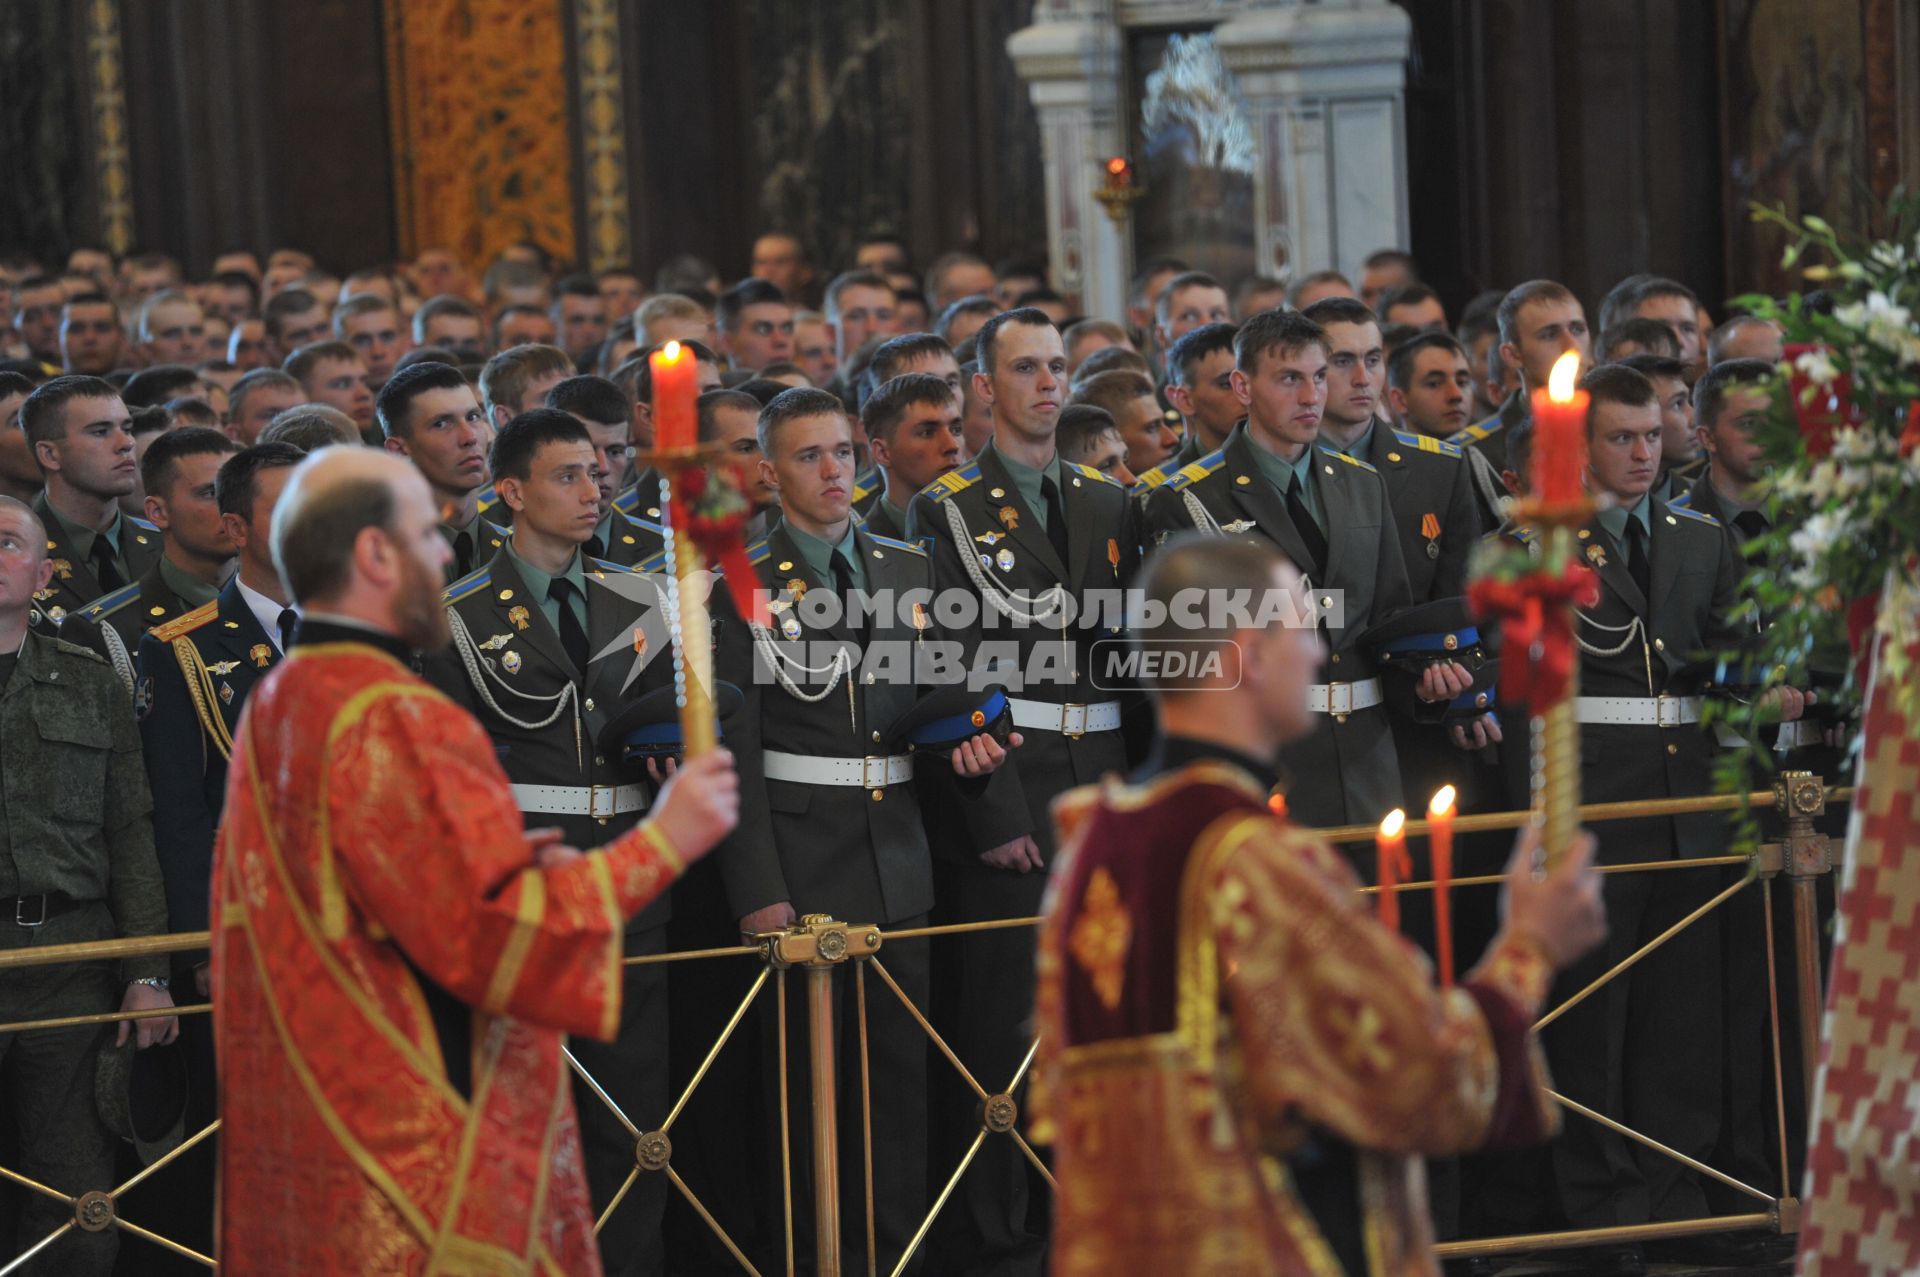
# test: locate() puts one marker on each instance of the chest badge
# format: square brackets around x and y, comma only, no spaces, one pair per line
[63,569]
[1010,517]
[519,616]
[790,626]
[919,616]
[1596,555]
[797,588]
[260,654]
[495,643]
[988,538]
[1004,559]
[223,668]
[510,662]
[226,693]
[1237,527]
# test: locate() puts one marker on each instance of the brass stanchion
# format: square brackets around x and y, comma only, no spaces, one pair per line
[1808,856]
[826,1126]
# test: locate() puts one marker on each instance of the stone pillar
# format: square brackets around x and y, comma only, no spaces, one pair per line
[1324,91]
[1072,62]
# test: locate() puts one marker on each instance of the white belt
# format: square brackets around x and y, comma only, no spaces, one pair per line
[858,773]
[1800,733]
[1638,711]
[1068,720]
[1343,698]
[598,801]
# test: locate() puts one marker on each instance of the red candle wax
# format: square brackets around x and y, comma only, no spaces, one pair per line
[674,390]
[1560,434]
[1440,842]
[1390,846]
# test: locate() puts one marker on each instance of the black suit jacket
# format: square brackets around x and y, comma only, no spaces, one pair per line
[196,672]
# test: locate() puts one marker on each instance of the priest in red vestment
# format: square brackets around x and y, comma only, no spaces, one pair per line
[1239,1068]
[395,962]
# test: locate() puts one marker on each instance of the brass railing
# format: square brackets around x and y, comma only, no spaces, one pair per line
[818,945]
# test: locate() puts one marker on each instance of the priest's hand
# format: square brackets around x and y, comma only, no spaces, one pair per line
[159,1030]
[699,805]
[1022,855]
[982,754]
[1559,912]
[1442,681]
[772,918]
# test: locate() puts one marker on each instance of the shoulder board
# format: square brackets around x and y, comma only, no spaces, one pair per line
[1195,471]
[1481,430]
[865,487]
[1157,476]
[1688,512]
[139,522]
[1427,443]
[648,524]
[899,545]
[757,552]
[1088,472]
[107,604]
[1682,503]
[951,482]
[656,563]
[601,565]
[1352,461]
[628,501]
[66,648]
[465,586]
[488,499]
[186,622]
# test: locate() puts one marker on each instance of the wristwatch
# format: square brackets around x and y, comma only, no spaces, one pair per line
[157,981]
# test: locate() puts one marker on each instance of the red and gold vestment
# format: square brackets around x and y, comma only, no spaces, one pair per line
[370,869]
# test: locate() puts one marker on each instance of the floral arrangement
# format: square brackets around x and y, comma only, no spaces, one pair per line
[1843,453]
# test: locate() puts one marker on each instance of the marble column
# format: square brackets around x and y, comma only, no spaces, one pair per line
[1324,88]
[1072,61]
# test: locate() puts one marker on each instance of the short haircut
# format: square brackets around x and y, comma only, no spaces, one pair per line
[1075,332]
[258,379]
[1651,334]
[1340,310]
[508,312]
[521,439]
[594,398]
[945,264]
[763,390]
[1190,565]
[1717,382]
[1401,363]
[361,304]
[892,356]
[1034,296]
[888,404]
[1279,331]
[851,279]
[1253,285]
[310,356]
[427,355]
[1534,290]
[43,417]
[1301,285]
[152,419]
[664,306]
[1392,257]
[1185,354]
[573,286]
[445,304]
[793,405]
[311,427]
[1114,390]
[1481,317]
[1146,272]
[1407,295]
[143,325]
[1163,308]
[313,542]
[152,387]
[977,304]
[238,484]
[1651,366]
[1618,384]
[504,381]
[989,335]
[504,275]
[1080,427]
[751,291]
[161,464]
[285,303]
[1107,359]
[395,400]
[1626,296]
[708,405]
[188,410]
[681,272]
[15,383]
[240,279]
[1725,330]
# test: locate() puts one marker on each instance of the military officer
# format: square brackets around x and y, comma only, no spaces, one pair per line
[1036,540]
[82,436]
[913,429]
[1540,320]
[549,643]
[76,865]
[177,473]
[1681,459]
[1330,513]
[604,411]
[430,415]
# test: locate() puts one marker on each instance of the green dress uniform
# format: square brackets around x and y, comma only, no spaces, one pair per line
[869,489]
[1345,772]
[988,528]
[882,519]
[510,666]
[641,498]
[624,540]
[131,546]
[76,864]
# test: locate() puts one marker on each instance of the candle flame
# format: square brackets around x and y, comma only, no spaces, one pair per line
[1442,801]
[1117,165]
[671,352]
[1392,825]
[1566,370]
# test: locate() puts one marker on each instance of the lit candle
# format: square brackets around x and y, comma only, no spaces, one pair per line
[1560,434]
[1440,842]
[1119,173]
[1391,848]
[674,390]
[1276,801]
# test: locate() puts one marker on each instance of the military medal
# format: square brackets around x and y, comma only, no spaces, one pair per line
[63,569]
[1010,517]
[919,616]
[518,615]
[260,654]
[495,643]
[797,588]
[1113,555]
[510,662]
[1597,555]
[1004,559]
[226,693]
[790,625]
[1430,529]
[639,642]
[223,668]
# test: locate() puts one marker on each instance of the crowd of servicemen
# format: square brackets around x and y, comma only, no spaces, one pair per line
[958,429]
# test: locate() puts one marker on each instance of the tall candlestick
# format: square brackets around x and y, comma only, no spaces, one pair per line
[1390,846]
[1440,844]
[674,390]
[1560,434]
